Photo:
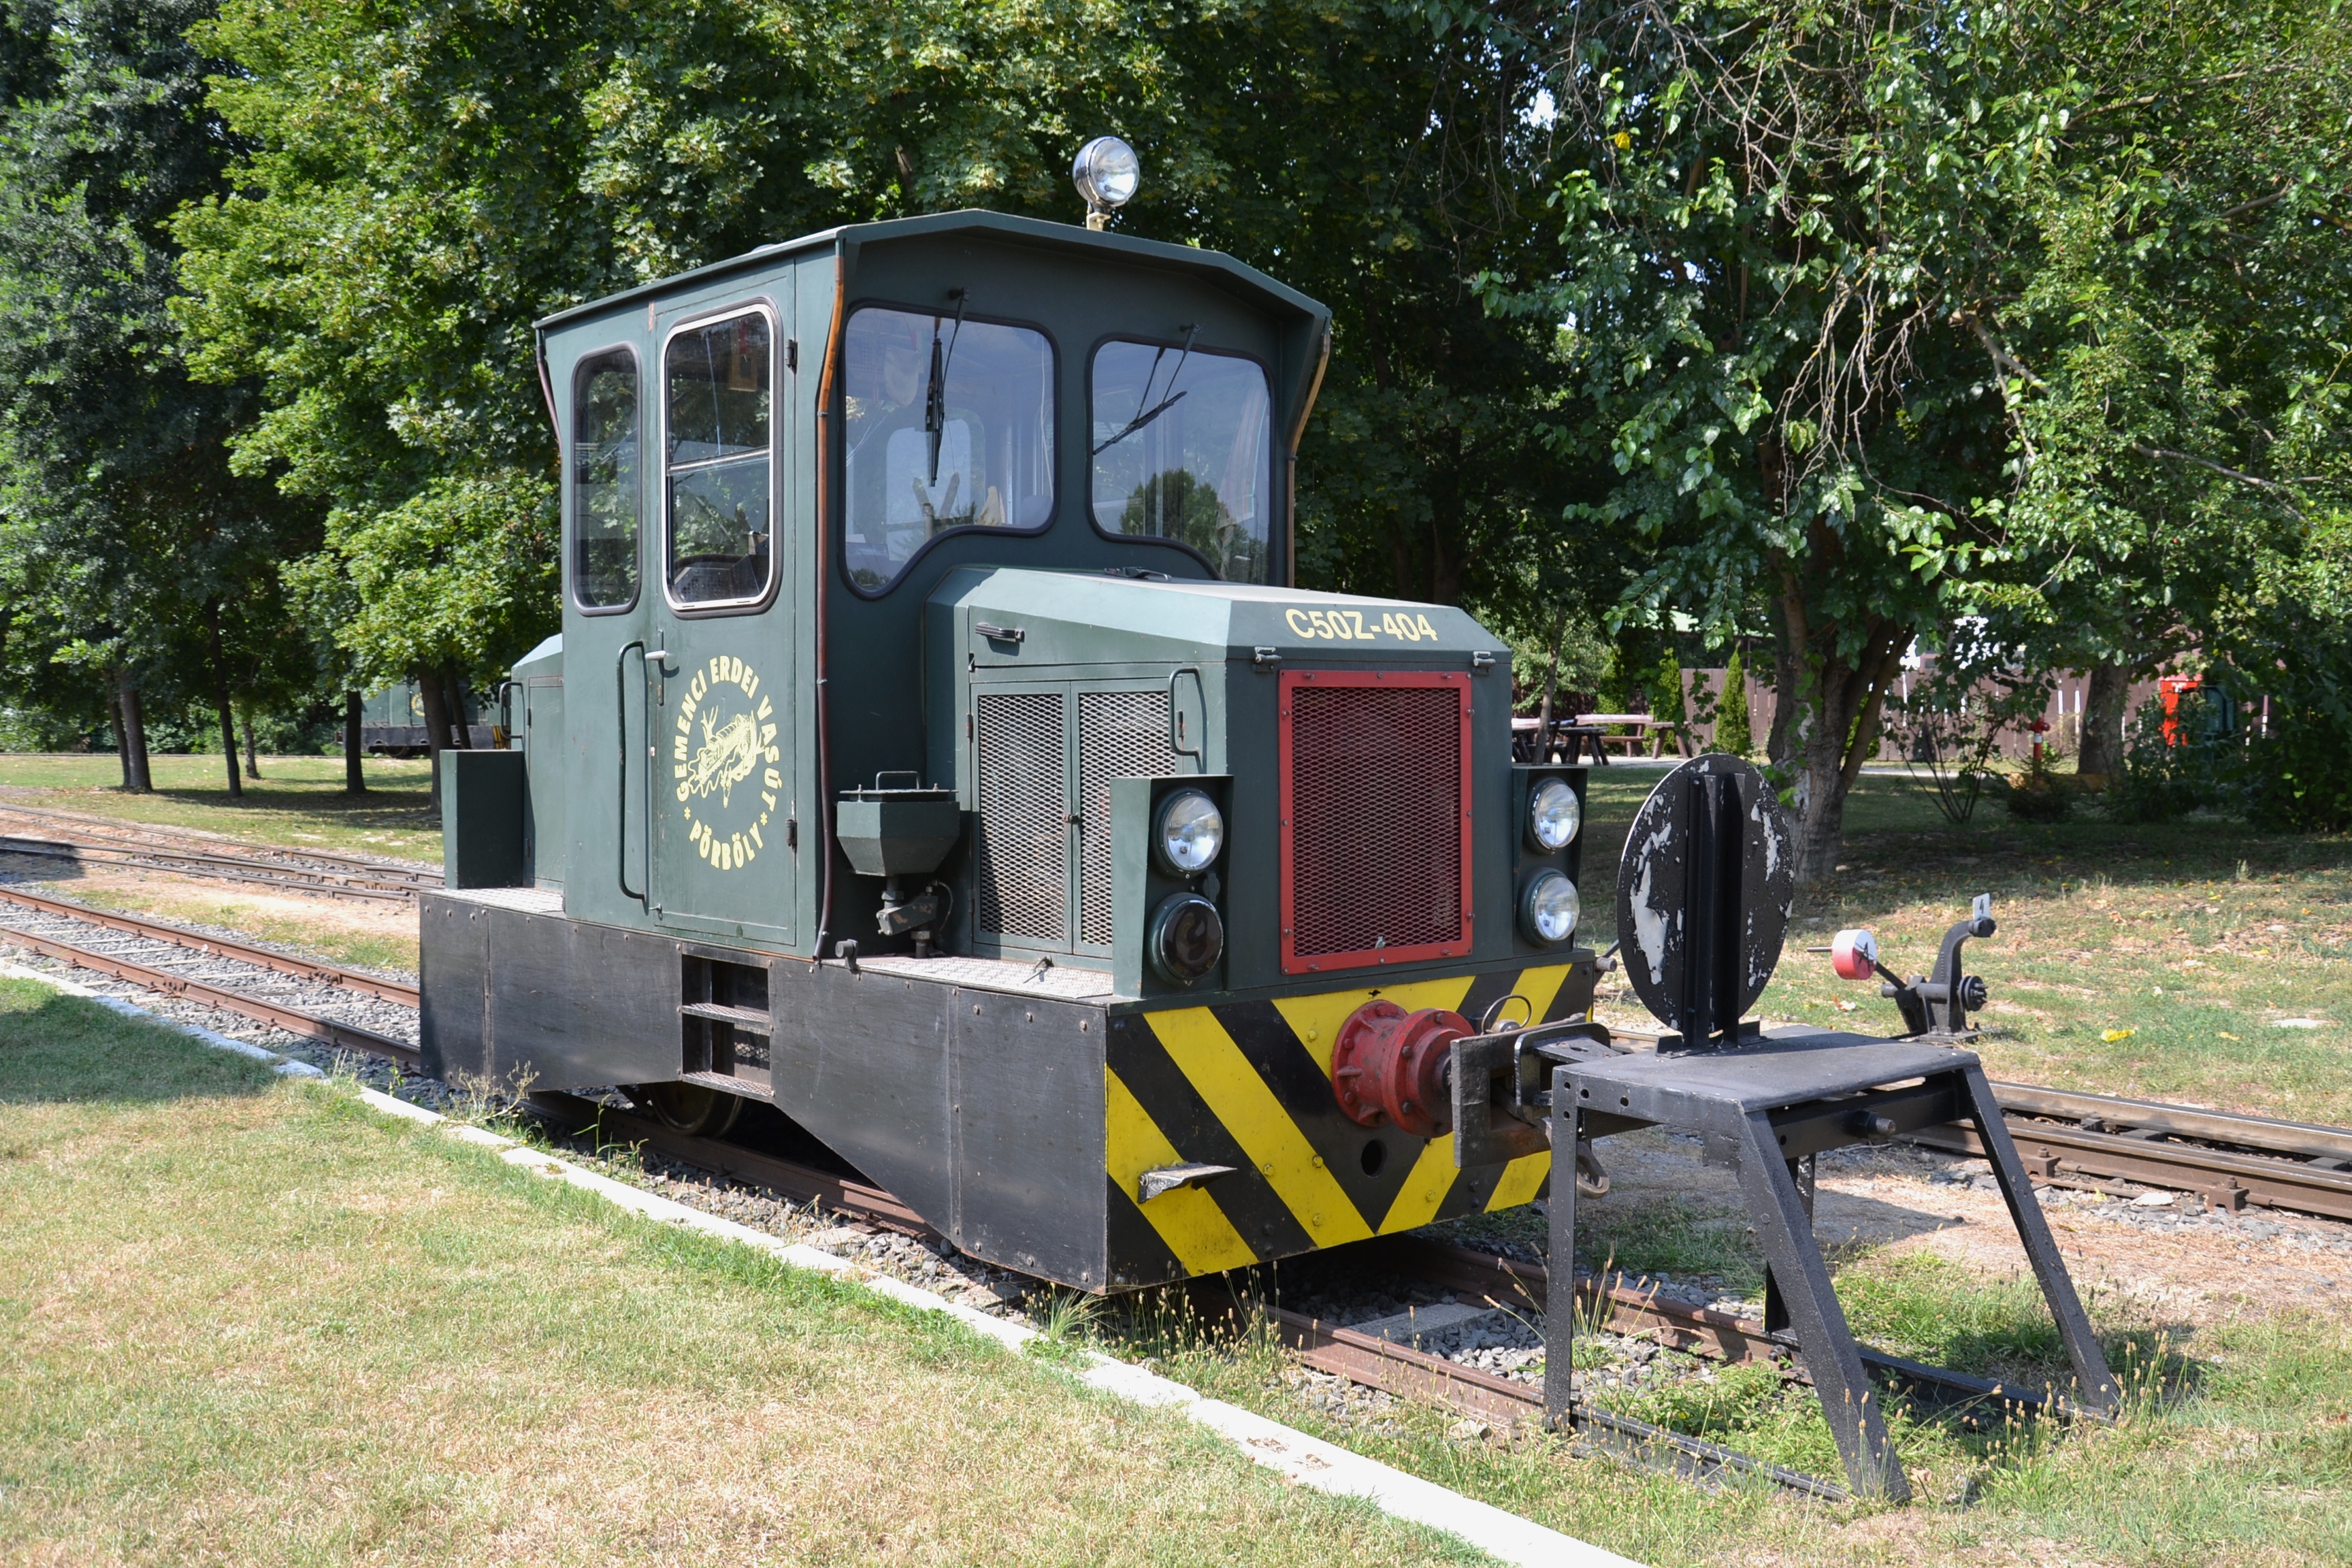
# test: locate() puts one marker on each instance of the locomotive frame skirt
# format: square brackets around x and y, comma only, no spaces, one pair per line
[1030,1115]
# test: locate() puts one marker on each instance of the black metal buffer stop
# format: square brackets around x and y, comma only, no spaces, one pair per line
[1703,898]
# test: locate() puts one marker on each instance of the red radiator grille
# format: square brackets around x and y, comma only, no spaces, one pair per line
[1375,817]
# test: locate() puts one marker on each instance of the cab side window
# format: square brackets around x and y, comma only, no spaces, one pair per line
[604,494]
[949,425]
[717,452]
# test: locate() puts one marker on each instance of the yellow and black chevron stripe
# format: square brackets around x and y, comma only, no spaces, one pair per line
[1248,1085]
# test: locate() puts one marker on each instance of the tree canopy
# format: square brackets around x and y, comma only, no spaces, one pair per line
[1888,318]
[132,552]
[2015,331]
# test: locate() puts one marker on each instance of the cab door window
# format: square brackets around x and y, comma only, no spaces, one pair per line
[947,425]
[604,496]
[717,450]
[1183,450]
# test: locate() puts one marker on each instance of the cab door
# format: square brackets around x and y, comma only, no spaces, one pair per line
[606,388]
[721,680]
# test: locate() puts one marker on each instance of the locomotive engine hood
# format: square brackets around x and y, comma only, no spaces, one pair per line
[1357,751]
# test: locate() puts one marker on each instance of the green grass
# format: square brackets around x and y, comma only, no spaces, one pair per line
[298,802]
[243,1320]
[2186,940]
[2236,1447]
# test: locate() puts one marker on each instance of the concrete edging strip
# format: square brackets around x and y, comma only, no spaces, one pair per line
[1303,1460]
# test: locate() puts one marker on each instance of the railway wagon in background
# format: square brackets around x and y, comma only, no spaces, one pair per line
[937,748]
[392,722]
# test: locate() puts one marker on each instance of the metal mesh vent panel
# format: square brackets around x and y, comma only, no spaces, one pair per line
[1122,734]
[1376,817]
[1021,845]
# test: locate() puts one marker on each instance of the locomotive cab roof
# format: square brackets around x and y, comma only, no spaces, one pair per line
[1078,398]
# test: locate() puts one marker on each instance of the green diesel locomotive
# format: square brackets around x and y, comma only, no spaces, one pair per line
[937,748]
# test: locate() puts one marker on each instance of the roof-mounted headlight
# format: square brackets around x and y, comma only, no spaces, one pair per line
[1106,173]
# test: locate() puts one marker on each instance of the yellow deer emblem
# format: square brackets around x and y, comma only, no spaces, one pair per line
[727,754]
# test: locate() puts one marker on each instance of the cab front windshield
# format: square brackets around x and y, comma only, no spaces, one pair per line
[950,425]
[1181,440]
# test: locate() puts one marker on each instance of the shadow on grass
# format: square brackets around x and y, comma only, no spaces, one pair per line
[55,1048]
[381,807]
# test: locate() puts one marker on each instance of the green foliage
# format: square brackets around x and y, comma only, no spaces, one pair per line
[126,542]
[2294,645]
[2038,795]
[419,183]
[1888,316]
[2165,778]
[1731,732]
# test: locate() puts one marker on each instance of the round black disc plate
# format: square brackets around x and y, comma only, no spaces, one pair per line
[1712,824]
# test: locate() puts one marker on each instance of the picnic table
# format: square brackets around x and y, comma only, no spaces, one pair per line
[1639,727]
[1571,738]
[1567,741]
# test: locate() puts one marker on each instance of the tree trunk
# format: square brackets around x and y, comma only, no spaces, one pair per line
[437,724]
[2104,707]
[1834,708]
[1551,692]
[252,761]
[221,702]
[134,737]
[1788,670]
[355,779]
[453,696]
[114,723]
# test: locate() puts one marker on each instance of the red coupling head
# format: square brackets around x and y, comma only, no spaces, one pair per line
[1389,1066]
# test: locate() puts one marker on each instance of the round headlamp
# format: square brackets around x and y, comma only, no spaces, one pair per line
[1553,815]
[1550,909]
[1186,938]
[1106,173]
[1187,832]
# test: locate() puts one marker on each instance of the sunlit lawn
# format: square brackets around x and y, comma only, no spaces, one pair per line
[2189,942]
[298,801]
[248,1322]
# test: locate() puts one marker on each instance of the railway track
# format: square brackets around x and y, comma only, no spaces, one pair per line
[2066,1138]
[81,839]
[347,1009]
[2231,1160]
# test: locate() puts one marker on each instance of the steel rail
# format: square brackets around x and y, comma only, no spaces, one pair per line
[335,876]
[125,829]
[1638,1308]
[1409,1374]
[201,942]
[2224,1179]
[293,1020]
[2265,1133]
[217,867]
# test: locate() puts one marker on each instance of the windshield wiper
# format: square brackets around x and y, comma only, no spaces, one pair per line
[935,395]
[1144,416]
[1138,422]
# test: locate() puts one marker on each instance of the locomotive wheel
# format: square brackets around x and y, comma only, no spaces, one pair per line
[689,1107]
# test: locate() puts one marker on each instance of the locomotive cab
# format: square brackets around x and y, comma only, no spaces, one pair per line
[937,748]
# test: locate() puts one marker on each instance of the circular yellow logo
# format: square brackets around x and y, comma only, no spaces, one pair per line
[726,734]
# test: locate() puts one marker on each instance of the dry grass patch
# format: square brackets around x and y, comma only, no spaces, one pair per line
[248,1322]
[368,933]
